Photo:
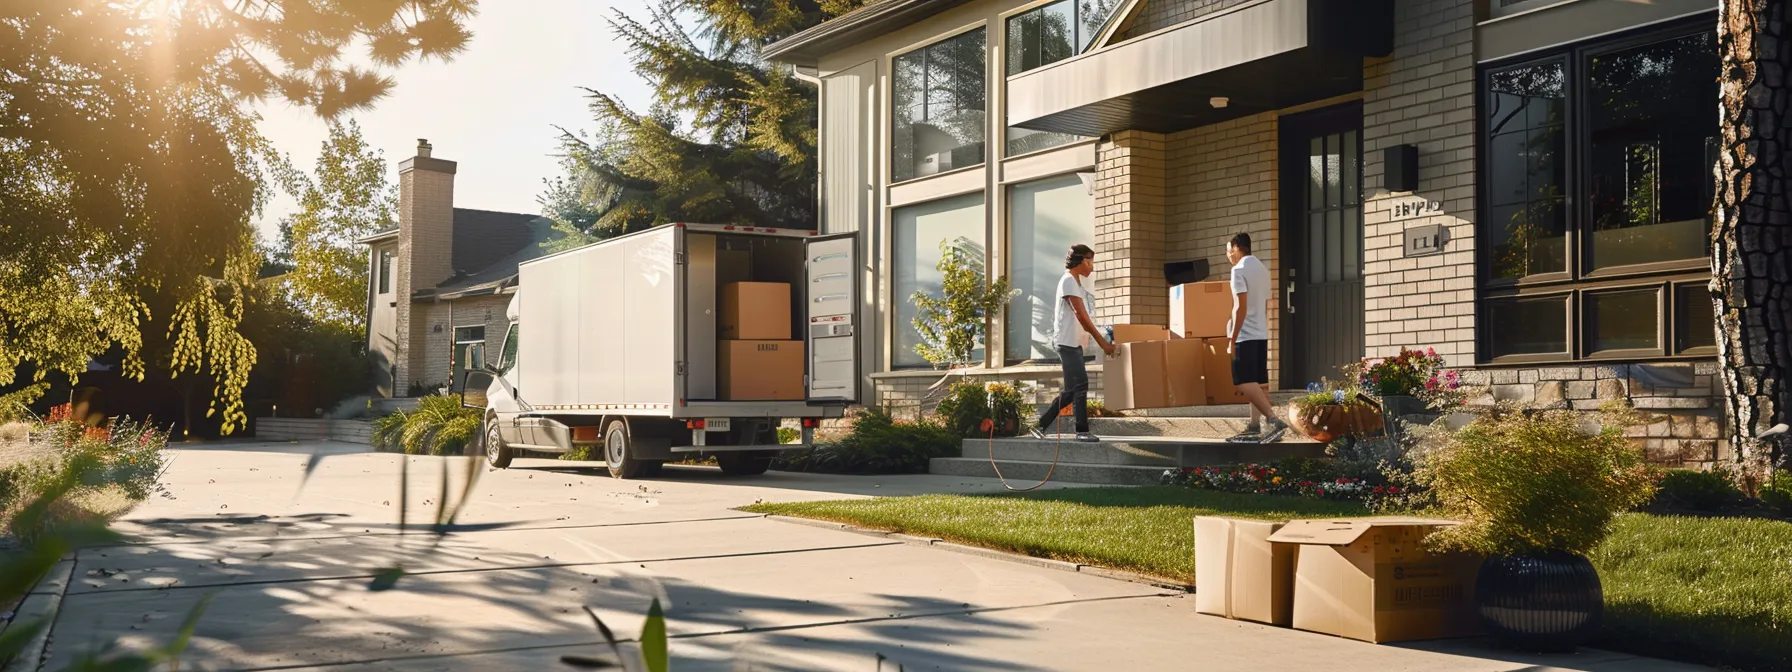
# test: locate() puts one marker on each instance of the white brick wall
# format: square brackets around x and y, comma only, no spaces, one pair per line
[1422,95]
[1130,209]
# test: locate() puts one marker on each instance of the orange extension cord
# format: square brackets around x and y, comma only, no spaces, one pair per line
[989,426]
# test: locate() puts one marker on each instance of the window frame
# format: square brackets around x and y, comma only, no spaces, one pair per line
[384,268]
[1579,278]
[891,324]
[889,148]
[1008,249]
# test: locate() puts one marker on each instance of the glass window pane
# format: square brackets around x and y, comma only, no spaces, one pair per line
[1353,163]
[1046,218]
[509,356]
[1315,247]
[1315,173]
[1524,177]
[1091,14]
[1334,245]
[1650,163]
[916,234]
[1623,320]
[1332,172]
[1353,243]
[1530,326]
[938,107]
[1695,318]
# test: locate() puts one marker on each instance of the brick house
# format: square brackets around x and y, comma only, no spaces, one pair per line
[439,283]
[1523,185]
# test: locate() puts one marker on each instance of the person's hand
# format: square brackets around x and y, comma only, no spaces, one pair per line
[1230,344]
[1109,348]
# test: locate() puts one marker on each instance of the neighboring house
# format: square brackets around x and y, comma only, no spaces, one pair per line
[1523,185]
[439,283]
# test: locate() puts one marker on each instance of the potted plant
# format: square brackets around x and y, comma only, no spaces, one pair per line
[1536,491]
[1398,382]
[1328,412]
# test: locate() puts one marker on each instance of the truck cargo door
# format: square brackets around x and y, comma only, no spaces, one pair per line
[833,308]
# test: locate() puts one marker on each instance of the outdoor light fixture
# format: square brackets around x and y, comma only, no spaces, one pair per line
[1400,168]
[1218,102]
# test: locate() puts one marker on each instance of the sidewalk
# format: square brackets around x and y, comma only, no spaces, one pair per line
[289,575]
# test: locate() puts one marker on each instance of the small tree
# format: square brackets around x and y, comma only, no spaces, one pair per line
[951,326]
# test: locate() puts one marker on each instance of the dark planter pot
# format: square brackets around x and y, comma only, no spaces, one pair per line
[1545,602]
[1398,406]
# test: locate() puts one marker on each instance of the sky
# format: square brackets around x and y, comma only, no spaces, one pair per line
[493,108]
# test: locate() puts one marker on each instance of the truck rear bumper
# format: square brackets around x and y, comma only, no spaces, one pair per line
[736,449]
[757,409]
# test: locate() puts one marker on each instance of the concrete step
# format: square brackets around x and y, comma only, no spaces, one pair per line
[1199,428]
[1278,399]
[1160,452]
[1022,473]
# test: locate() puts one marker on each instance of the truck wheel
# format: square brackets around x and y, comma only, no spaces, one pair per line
[743,463]
[496,453]
[619,453]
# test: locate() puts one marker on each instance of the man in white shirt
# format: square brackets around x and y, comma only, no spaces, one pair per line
[1249,334]
[1071,329]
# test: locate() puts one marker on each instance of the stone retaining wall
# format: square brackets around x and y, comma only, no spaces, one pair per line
[306,429]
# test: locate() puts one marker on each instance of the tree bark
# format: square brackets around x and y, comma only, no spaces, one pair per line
[1751,256]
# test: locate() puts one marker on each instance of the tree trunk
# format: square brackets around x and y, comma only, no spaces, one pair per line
[1751,257]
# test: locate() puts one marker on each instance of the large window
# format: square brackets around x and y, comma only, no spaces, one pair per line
[917,231]
[1045,218]
[1597,192]
[385,271]
[939,107]
[1042,36]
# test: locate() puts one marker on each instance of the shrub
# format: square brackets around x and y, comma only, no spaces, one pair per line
[877,444]
[1704,491]
[438,426]
[968,404]
[1098,409]
[1529,483]
[1777,493]
[789,435]
[66,456]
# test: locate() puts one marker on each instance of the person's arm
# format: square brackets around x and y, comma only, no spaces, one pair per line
[1237,320]
[1082,317]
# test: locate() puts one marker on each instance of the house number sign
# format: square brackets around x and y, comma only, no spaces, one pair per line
[1416,208]
[1426,240]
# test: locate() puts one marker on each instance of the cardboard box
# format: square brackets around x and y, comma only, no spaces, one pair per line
[1200,309]
[1134,376]
[755,311]
[1185,381]
[1217,363]
[1370,579]
[1133,333]
[1240,574]
[760,370]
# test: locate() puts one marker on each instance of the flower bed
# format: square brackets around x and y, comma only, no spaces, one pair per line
[1304,477]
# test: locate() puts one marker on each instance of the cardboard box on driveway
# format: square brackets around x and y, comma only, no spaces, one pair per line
[1369,579]
[1240,574]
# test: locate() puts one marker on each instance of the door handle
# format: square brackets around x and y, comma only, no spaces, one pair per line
[1288,302]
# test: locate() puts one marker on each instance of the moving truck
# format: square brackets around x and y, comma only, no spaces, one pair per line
[623,347]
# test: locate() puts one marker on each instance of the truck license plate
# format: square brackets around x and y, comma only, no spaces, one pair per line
[718,424]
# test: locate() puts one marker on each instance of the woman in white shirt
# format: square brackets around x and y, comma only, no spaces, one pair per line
[1072,327]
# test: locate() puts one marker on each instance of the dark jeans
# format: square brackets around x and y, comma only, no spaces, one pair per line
[1076,391]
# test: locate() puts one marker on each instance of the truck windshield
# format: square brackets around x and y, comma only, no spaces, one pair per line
[509,356]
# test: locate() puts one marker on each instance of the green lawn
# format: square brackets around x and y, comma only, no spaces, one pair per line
[1146,530]
[1707,590]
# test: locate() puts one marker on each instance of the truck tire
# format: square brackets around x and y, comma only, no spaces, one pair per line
[497,454]
[619,453]
[744,463]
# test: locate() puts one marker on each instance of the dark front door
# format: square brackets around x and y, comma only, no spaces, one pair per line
[1322,271]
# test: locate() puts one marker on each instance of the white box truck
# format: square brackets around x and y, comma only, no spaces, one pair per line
[613,347]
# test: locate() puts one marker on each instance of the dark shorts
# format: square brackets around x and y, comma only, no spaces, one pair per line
[1250,362]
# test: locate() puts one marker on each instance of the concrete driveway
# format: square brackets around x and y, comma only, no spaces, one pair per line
[289,574]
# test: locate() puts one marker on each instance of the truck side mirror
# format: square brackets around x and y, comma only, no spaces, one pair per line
[472,389]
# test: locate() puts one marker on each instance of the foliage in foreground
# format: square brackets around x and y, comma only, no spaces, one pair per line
[968,404]
[438,426]
[1529,482]
[63,456]
[877,444]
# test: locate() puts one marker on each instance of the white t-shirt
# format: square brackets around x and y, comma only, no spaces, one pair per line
[1069,332]
[1251,277]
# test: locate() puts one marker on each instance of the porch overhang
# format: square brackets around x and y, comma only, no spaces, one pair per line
[1262,56]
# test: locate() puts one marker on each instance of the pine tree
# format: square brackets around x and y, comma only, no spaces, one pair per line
[740,147]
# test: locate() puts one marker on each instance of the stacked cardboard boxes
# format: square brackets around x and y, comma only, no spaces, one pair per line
[1363,578]
[756,358]
[1152,369]
[1201,311]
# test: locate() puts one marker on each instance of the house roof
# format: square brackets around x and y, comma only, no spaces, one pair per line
[488,247]
[875,18]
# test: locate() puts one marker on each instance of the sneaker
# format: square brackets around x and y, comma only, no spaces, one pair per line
[1037,433]
[1273,431]
[1251,434]
[1086,437]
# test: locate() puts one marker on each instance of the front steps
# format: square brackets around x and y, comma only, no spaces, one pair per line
[1116,460]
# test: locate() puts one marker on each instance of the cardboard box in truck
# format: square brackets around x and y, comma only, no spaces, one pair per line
[1240,574]
[760,370]
[1200,309]
[756,311]
[1370,579]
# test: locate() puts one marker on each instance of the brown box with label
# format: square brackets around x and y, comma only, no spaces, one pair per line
[1200,309]
[760,370]
[756,311]
[1370,579]
[1240,574]
[1218,366]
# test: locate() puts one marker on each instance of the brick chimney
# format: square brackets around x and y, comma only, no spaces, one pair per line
[425,250]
